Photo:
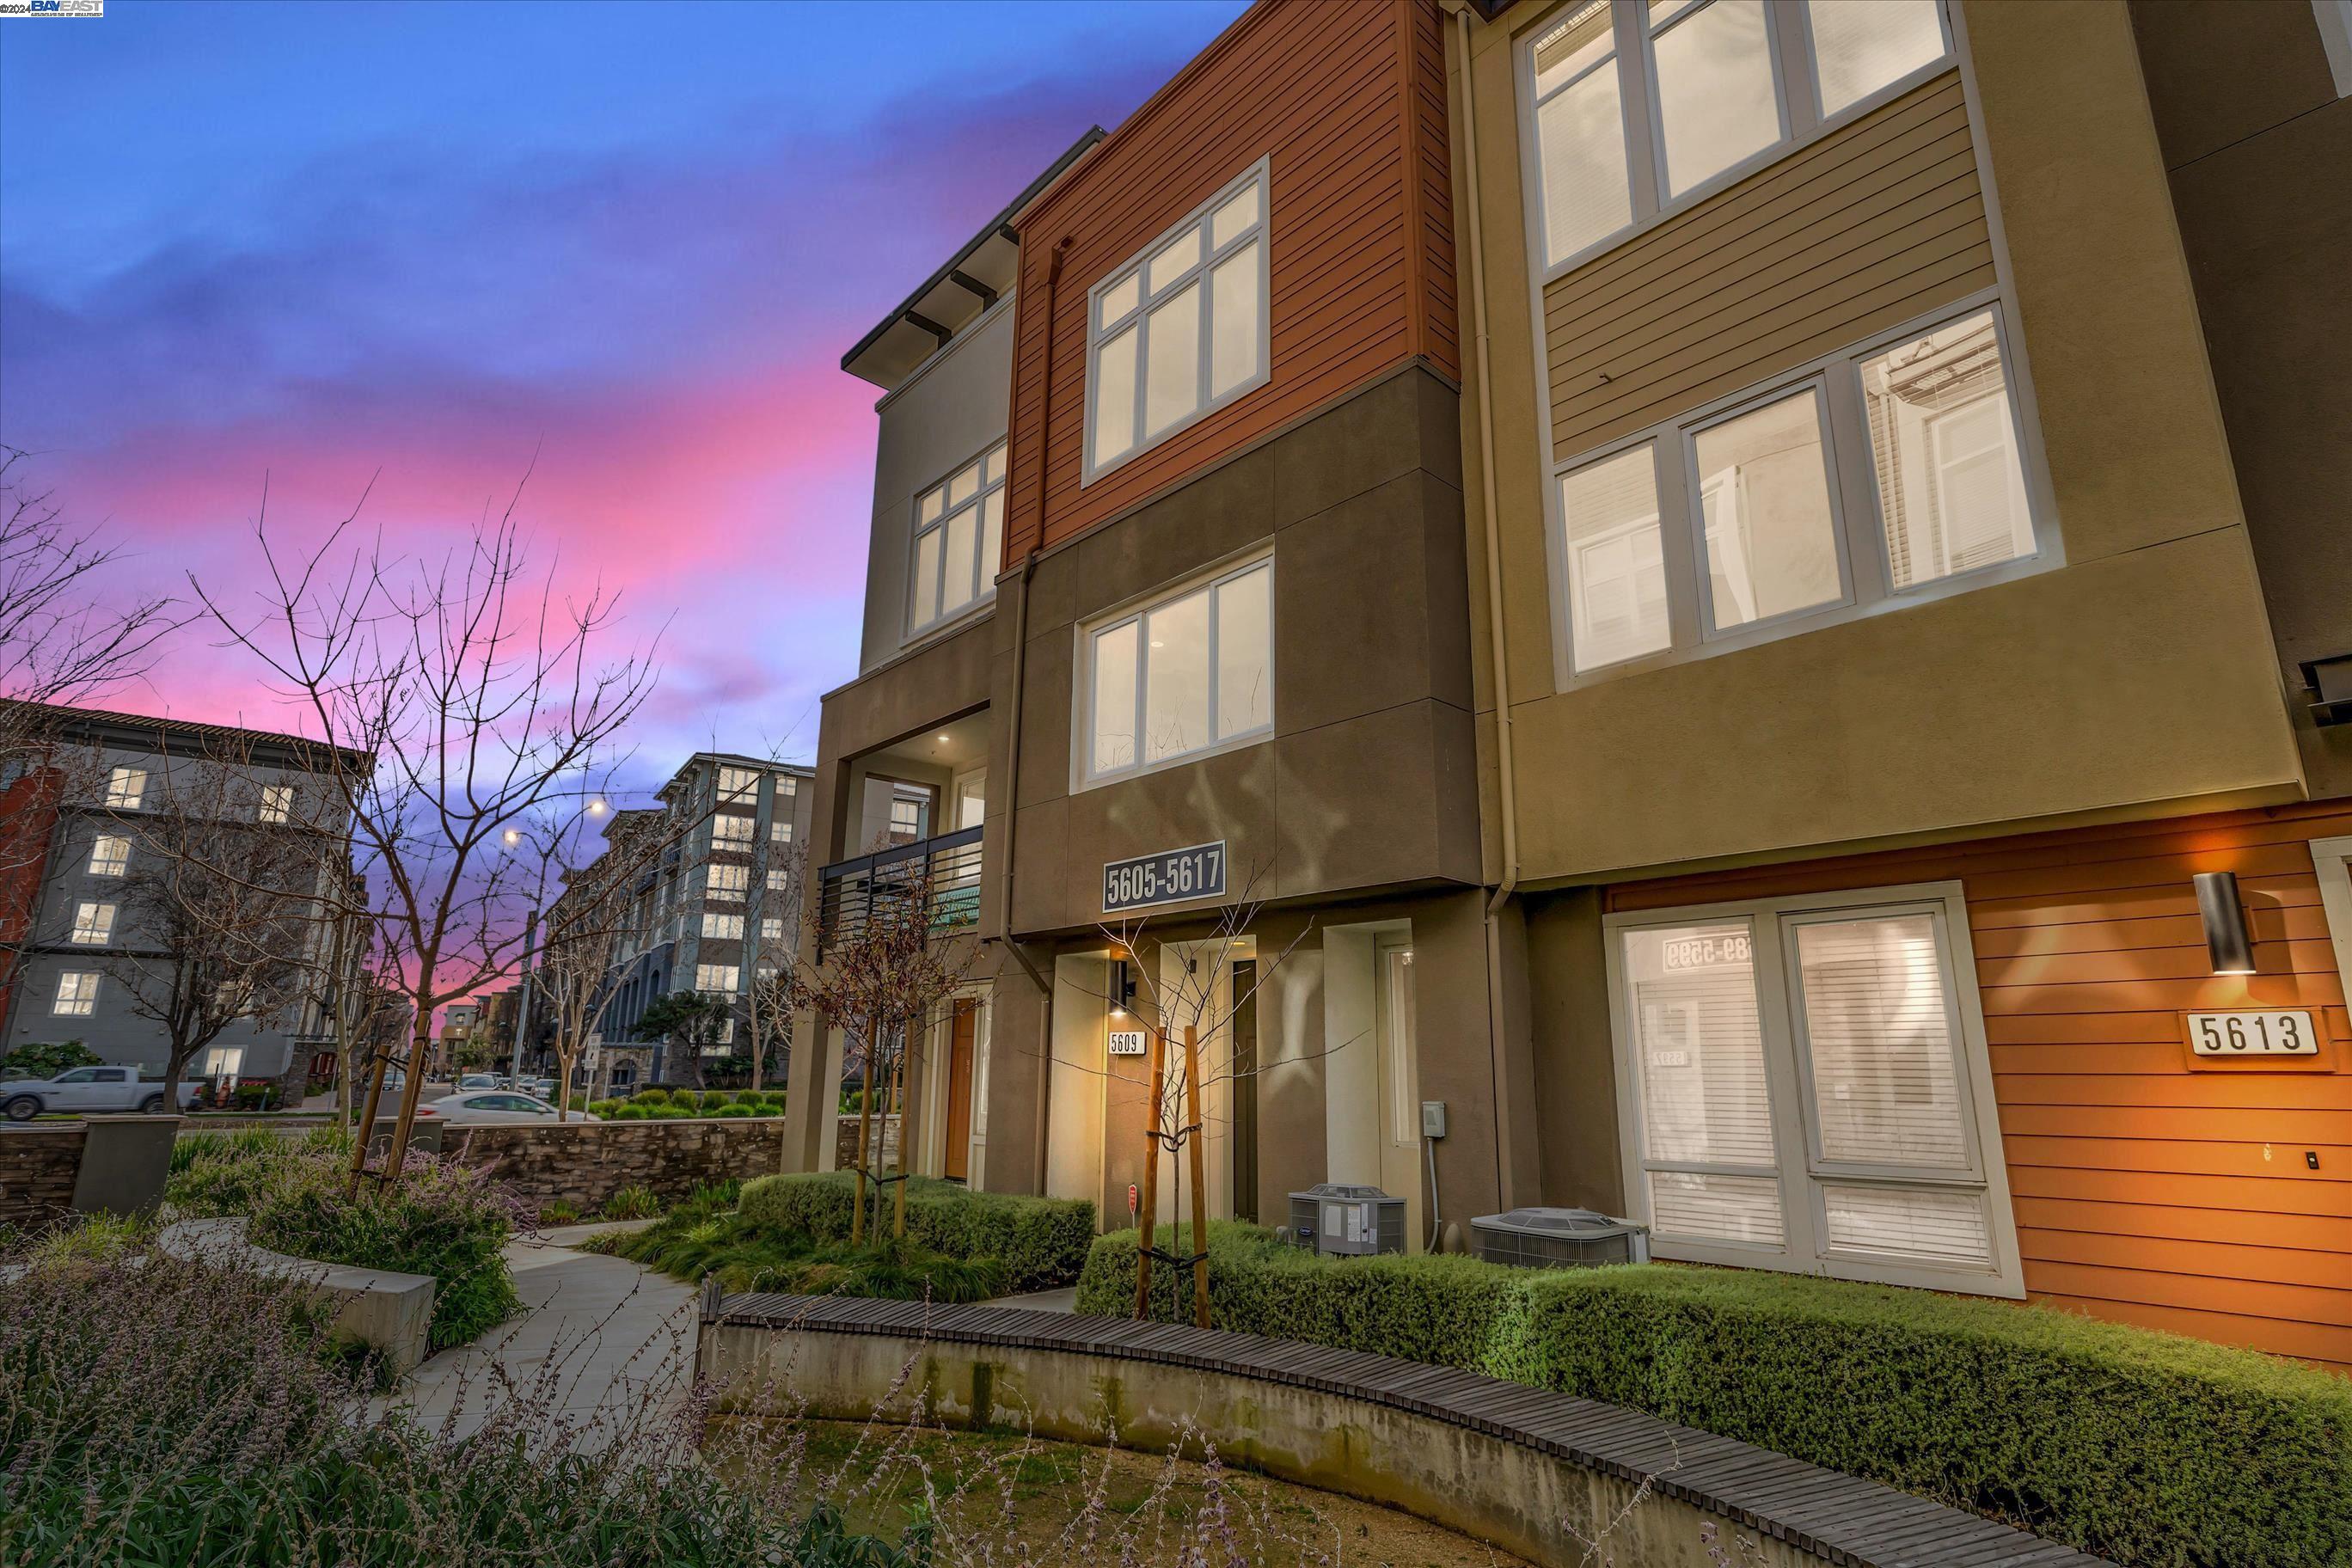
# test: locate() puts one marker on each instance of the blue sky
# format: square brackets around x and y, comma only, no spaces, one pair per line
[421,243]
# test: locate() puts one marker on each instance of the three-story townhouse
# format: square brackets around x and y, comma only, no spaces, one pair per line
[1886,634]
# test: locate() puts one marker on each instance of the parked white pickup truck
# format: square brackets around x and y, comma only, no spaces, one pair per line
[97,1089]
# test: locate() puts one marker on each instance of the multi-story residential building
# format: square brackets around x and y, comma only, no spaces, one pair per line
[1883,626]
[712,895]
[905,751]
[84,825]
[453,1048]
[1658,606]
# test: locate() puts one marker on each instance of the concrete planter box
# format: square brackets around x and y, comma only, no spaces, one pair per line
[387,1311]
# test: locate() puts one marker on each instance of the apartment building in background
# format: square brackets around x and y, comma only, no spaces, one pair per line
[1659,607]
[1888,623]
[711,898]
[81,829]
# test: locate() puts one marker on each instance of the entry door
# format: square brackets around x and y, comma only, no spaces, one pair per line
[957,1166]
[1393,1004]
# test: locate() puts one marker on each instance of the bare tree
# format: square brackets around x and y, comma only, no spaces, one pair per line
[882,976]
[772,917]
[217,911]
[477,690]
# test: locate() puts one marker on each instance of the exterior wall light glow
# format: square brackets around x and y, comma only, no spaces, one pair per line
[2227,942]
[1122,988]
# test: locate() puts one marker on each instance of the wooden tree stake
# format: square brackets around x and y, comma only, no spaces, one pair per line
[1150,1214]
[1199,1180]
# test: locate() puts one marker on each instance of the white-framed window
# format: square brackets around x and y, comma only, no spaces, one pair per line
[109,854]
[727,927]
[779,881]
[959,541]
[1894,470]
[223,1061]
[906,819]
[771,928]
[1803,1084]
[730,831]
[93,924]
[126,789]
[1180,328]
[76,993]
[2332,860]
[739,786]
[277,803]
[2334,19]
[717,977]
[1188,674]
[780,827]
[1635,110]
[727,881]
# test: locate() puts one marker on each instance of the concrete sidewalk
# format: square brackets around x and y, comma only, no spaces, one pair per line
[606,1342]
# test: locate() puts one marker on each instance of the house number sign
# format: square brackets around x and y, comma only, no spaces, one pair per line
[1169,877]
[2266,1034]
[1126,1042]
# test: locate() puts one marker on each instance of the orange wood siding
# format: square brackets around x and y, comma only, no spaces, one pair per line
[1347,102]
[2145,1191]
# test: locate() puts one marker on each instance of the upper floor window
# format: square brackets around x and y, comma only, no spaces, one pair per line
[958,539]
[727,882]
[76,993]
[906,820]
[93,924]
[780,829]
[739,786]
[1192,673]
[1893,468]
[126,789]
[1180,328]
[722,927]
[277,803]
[723,978]
[109,854]
[728,831]
[1640,106]
[780,881]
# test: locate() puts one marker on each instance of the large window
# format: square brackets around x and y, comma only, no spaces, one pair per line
[76,993]
[728,882]
[729,831]
[1180,329]
[126,789]
[93,924]
[722,926]
[277,803]
[109,854]
[739,786]
[1894,468]
[958,542]
[1641,106]
[719,978]
[1805,1086]
[1190,674]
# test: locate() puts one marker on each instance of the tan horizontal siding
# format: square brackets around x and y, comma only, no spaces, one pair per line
[2147,1188]
[1881,221]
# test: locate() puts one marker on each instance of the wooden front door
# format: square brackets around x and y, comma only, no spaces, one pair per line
[960,1044]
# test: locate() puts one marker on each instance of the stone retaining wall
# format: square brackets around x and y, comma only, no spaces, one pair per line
[584,1163]
[37,1169]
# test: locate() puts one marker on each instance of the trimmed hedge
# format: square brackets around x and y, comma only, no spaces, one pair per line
[2149,1448]
[1042,1242]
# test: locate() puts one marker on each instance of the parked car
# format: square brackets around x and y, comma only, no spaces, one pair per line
[484,1106]
[97,1089]
[480,1080]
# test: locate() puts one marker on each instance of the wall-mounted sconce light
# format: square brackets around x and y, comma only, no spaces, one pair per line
[2329,681]
[1122,988]
[2227,941]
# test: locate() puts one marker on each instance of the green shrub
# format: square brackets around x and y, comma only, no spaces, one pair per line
[214,1173]
[2145,1447]
[1042,1242]
[626,1111]
[650,1097]
[444,1219]
[42,1059]
[747,1255]
[738,1108]
[633,1203]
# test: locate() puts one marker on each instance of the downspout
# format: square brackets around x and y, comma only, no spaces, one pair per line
[1500,651]
[1045,1120]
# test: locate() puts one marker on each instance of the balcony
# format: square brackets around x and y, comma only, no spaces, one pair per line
[947,866]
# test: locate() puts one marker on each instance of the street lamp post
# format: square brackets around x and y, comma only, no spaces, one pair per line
[522,1004]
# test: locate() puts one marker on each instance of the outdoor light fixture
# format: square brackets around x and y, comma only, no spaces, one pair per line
[1122,988]
[2329,681]
[2226,939]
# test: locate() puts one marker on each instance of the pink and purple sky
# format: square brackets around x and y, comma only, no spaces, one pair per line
[326,243]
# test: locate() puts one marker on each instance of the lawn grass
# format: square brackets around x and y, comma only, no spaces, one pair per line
[707,1235]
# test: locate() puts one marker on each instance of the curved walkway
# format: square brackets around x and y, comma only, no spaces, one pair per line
[609,1345]
[1821,1513]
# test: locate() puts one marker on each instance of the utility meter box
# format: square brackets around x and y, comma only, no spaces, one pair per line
[1558,1238]
[1358,1221]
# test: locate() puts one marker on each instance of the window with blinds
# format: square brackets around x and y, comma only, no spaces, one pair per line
[1807,1089]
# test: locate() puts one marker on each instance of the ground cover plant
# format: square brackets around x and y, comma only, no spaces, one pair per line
[2145,1449]
[708,1235]
[1042,1243]
[682,1104]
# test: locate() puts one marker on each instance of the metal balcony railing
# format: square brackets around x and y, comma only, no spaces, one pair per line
[947,866]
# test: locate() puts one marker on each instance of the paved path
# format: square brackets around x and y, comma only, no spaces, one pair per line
[607,1342]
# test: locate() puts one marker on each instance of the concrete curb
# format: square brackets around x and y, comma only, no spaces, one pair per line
[380,1307]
